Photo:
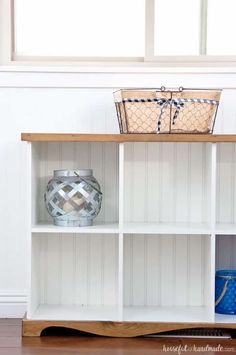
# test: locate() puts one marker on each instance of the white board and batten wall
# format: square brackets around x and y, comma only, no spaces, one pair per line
[176,182]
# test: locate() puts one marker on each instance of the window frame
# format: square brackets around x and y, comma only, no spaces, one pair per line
[150,34]
[201,59]
[8,54]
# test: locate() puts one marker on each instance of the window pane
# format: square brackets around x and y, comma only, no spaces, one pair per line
[177,27]
[221,30]
[80,27]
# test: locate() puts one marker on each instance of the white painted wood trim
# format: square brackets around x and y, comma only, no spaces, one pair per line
[13,304]
[9,57]
[167,228]
[212,271]
[29,221]
[121,277]
[121,237]
[213,225]
[213,185]
[9,296]
[194,60]
[121,186]
[149,29]
[73,80]
[225,229]
[12,310]
[203,27]
[114,68]
[6,31]
[133,228]
[98,228]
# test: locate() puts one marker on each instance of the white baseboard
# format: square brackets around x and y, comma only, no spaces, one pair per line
[12,304]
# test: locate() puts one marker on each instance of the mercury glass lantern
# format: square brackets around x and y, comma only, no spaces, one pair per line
[73,197]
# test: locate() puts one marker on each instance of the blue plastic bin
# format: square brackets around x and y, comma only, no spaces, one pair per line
[225,291]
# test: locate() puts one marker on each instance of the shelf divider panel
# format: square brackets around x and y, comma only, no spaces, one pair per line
[213,224]
[121,226]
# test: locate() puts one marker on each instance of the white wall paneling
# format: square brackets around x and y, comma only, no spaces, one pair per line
[46,101]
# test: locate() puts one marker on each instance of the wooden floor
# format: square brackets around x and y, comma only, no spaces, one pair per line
[11,343]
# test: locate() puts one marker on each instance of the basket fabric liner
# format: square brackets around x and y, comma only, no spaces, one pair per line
[149,111]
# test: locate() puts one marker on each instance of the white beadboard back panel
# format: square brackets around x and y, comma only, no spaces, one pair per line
[101,157]
[225,252]
[226,183]
[161,270]
[167,182]
[75,269]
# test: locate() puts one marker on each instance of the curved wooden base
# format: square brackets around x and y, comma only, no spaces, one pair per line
[115,329]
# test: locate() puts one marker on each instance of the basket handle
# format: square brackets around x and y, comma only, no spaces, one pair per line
[222,293]
[227,278]
[179,89]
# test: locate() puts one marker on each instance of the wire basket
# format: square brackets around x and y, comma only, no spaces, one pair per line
[166,111]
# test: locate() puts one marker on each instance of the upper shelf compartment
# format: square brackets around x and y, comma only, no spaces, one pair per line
[167,183]
[101,157]
[74,137]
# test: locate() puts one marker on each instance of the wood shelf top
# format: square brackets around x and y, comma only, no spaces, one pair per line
[74,137]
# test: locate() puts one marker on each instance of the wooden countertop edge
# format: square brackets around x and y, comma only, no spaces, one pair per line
[119,138]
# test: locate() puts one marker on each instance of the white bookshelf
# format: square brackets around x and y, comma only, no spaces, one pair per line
[168,221]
